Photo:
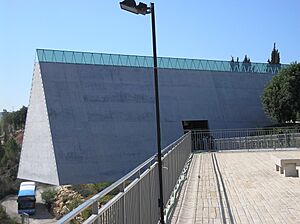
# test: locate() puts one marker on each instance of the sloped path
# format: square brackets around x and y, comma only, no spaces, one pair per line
[238,187]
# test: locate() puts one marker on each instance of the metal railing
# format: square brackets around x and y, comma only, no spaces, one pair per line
[73,57]
[24,218]
[137,200]
[269,138]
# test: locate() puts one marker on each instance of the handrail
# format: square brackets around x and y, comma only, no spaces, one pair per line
[104,192]
[245,129]
[68,217]
[239,139]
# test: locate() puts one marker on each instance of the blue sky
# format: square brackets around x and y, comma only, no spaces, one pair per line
[205,29]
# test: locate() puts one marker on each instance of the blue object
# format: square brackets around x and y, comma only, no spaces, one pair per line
[26,193]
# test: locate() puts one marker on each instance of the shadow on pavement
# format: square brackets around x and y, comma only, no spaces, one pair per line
[41,212]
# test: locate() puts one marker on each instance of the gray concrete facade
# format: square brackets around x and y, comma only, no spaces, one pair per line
[37,160]
[93,123]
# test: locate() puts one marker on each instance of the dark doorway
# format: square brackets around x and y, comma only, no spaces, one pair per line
[201,138]
[200,125]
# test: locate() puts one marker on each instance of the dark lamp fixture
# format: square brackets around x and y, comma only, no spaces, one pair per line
[130,6]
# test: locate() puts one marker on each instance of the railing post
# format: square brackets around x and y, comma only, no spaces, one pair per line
[247,142]
[140,201]
[122,189]
[95,209]
[24,218]
[124,204]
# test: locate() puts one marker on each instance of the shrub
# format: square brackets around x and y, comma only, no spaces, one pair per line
[88,190]
[48,197]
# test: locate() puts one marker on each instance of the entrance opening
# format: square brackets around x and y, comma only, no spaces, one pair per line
[199,125]
[201,138]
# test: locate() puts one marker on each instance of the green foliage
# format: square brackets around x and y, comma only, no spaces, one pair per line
[1,151]
[83,216]
[281,98]
[4,218]
[9,159]
[88,212]
[11,151]
[106,198]
[88,190]
[11,121]
[6,186]
[246,59]
[48,197]
[74,203]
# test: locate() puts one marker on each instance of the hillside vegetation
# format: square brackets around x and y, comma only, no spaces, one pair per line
[11,134]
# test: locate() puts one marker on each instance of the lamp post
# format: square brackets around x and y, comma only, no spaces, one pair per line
[142,8]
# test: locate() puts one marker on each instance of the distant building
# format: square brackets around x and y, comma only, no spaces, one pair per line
[91,116]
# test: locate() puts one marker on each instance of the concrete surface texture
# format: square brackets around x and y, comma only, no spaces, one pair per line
[241,187]
[37,161]
[92,123]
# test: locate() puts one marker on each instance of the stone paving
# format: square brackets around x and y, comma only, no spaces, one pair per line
[238,187]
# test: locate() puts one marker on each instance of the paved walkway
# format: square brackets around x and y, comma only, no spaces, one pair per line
[238,187]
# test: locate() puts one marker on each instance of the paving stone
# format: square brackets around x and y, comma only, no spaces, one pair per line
[239,187]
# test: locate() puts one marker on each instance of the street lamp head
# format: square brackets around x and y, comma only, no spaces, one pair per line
[143,8]
[130,6]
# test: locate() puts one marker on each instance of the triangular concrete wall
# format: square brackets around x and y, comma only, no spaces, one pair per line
[37,160]
[94,123]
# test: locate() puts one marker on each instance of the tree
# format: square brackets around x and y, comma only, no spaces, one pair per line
[11,153]
[281,98]
[275,56]
[246,65]
[1,150]
[9,160]
[274,64]
[246,59]
[12,121]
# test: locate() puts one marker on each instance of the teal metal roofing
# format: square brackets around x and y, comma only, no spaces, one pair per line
[73,57]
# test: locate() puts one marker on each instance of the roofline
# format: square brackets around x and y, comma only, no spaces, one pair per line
[92,58]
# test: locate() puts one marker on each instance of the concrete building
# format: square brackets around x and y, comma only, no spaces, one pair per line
[91,116]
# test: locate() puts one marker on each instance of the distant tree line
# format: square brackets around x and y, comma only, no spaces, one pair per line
[273,63]
[275,57]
